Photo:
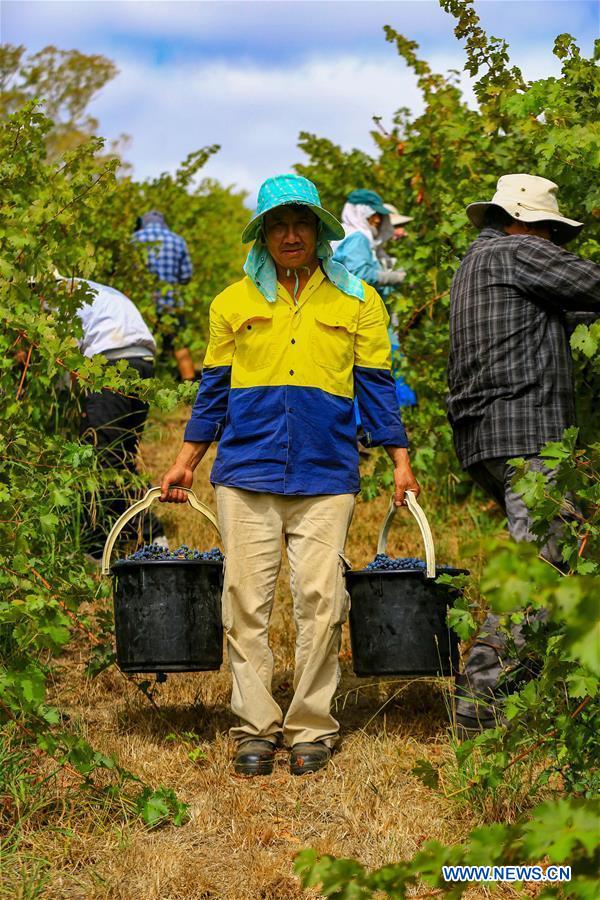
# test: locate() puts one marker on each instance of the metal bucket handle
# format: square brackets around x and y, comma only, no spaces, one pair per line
[143,504]
[411,502]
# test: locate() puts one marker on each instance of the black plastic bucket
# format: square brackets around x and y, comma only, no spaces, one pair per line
[168,615]
[398,623]
[167,612]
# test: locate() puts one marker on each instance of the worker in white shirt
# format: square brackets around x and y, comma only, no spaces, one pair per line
[113,423]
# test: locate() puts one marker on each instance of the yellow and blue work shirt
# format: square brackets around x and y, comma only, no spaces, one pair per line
[279,382]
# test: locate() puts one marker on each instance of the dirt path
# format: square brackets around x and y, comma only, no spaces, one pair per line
[243,834]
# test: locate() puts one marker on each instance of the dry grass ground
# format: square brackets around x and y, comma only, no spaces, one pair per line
[243,834]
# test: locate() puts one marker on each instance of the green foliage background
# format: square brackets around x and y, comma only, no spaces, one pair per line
[431,167]
[75,215]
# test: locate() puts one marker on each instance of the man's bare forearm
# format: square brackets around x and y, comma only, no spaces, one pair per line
[181,473]
[404,479]
[191,453]
[398,455]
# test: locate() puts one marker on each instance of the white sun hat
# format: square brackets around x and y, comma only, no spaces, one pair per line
[396,219]
[528,198]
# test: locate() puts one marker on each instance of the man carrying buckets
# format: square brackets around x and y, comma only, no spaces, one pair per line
[510,375]
[290,346]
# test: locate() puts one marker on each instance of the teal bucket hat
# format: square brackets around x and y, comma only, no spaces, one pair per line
[285,190]
[369,198]
[259,266]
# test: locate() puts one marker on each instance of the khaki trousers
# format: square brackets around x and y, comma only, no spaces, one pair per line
[315,530]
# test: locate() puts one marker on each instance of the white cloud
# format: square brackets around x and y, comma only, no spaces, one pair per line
[256,112]
[239,89]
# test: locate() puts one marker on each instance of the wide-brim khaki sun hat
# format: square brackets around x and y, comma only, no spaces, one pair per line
[528,198]
[291,190]
[396,218]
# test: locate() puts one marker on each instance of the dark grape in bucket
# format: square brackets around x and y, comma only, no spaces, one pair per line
[383,563]
[150,552]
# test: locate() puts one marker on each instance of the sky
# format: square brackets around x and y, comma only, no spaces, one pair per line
[250,75]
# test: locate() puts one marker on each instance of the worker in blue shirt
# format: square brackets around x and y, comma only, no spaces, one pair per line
[169,259]
[368,224]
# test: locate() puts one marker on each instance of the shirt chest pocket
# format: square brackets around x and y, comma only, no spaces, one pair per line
[332,340]
[254,340]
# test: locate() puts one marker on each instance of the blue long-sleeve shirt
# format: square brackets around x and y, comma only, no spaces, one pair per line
[356,254]
[170,260]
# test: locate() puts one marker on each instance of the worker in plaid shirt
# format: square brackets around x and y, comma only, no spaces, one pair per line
[510,375]
[169,259]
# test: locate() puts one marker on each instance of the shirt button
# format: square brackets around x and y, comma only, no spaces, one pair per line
[293,340]
[291,371]
[248,327]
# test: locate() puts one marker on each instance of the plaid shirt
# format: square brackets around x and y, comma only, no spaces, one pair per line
[171,262]
[510,369]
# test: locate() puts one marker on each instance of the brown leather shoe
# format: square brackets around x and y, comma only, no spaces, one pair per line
[254,757]
[309,757]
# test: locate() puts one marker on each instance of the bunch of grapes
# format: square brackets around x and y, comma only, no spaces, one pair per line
[383,563]
[386,563]
[154,552]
